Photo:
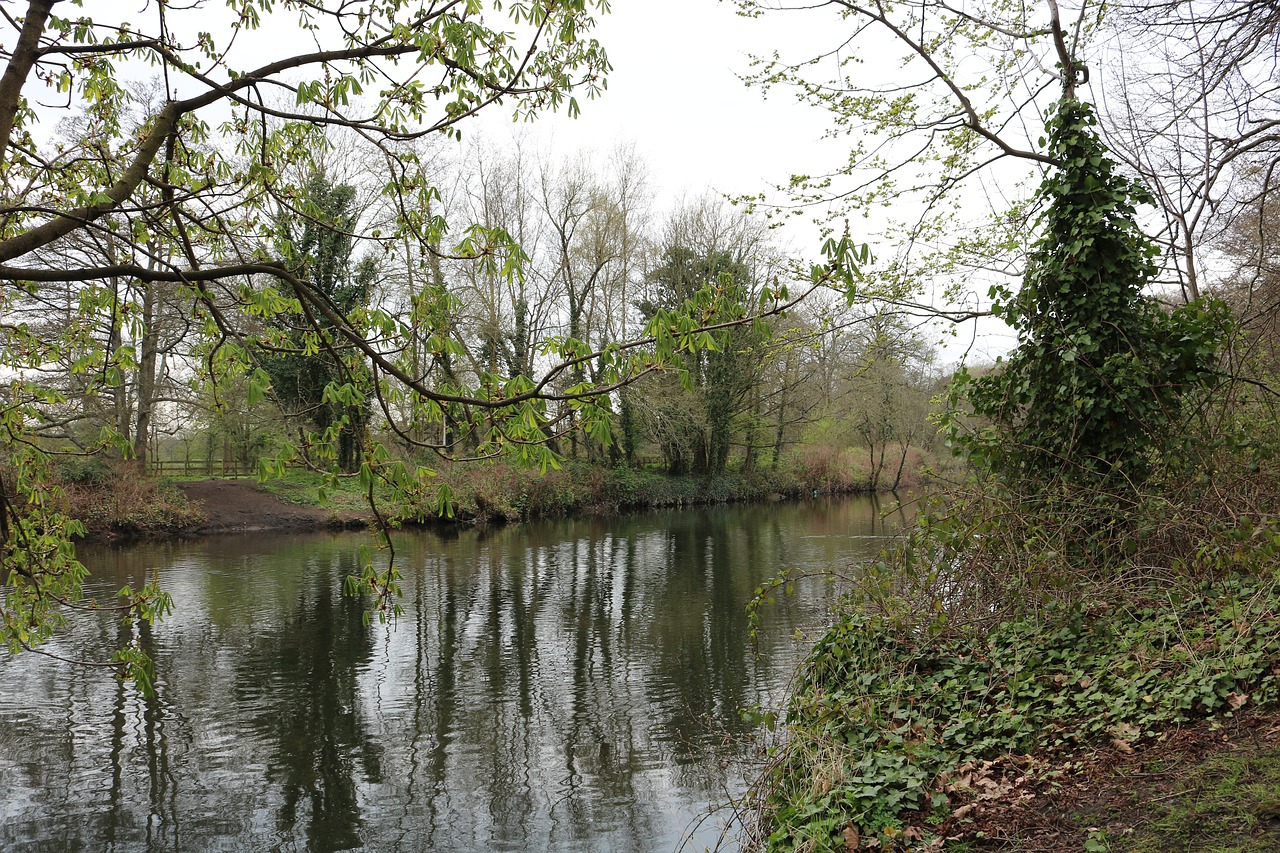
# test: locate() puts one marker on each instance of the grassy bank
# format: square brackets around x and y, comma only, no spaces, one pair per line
[1014,643]
[501,492]
[112,500]
[894,737]
[507,493]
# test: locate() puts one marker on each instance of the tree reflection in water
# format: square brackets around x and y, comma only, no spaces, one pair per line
[569,686]
[312,713]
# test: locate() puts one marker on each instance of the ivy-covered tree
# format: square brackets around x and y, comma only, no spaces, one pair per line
[1101,371]
[694,425]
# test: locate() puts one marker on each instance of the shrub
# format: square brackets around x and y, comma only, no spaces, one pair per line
[830,470]
[125,504]
[88,470]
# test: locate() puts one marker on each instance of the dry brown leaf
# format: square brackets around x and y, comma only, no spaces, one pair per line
[1123,736]
[998,792]
[851,837]
[1237,700]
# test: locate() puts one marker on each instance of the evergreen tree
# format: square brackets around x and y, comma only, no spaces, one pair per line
[719,379]
[311,373]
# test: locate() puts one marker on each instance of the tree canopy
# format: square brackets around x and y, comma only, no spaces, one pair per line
[147,166]
[941,108]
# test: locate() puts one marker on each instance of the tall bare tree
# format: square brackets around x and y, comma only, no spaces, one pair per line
[1191,103]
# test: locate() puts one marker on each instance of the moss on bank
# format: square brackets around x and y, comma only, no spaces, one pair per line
[1230,801]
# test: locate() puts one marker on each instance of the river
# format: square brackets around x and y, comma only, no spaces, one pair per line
[558,686]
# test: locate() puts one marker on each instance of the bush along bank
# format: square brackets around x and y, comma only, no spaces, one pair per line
[112,501]
[896,731]
[504,493]
[116,502]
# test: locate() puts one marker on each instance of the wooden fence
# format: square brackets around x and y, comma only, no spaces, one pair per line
[200,468]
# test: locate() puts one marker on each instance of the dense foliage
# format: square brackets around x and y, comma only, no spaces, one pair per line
[1101,371]
[695,423]
[310,355]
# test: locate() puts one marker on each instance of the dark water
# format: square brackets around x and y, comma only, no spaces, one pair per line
[570,686]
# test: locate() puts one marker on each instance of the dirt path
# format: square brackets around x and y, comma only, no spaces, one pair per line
[236,506]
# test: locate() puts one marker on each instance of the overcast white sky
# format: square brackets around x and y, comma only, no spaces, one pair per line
[675,93]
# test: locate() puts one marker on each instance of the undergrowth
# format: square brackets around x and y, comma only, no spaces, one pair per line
[1013,633]
[884,722]
[502,492]
[499,492]
[112,500]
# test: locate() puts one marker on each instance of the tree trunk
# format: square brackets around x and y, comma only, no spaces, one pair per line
[902,461]
[780,432]
[146,377]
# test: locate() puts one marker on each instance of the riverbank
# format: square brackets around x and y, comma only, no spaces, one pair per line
[1058,731]
[136,508]
[243,506]
[1030,671]
[122,505]
[1211,785]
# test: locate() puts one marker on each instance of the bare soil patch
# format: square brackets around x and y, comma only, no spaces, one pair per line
[1211,786]
[237,506]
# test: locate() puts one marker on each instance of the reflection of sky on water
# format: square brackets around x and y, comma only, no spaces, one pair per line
[565,686]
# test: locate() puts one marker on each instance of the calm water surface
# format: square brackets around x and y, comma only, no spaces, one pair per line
[569,686]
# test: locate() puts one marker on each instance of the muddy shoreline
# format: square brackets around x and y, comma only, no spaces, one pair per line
[240,506]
